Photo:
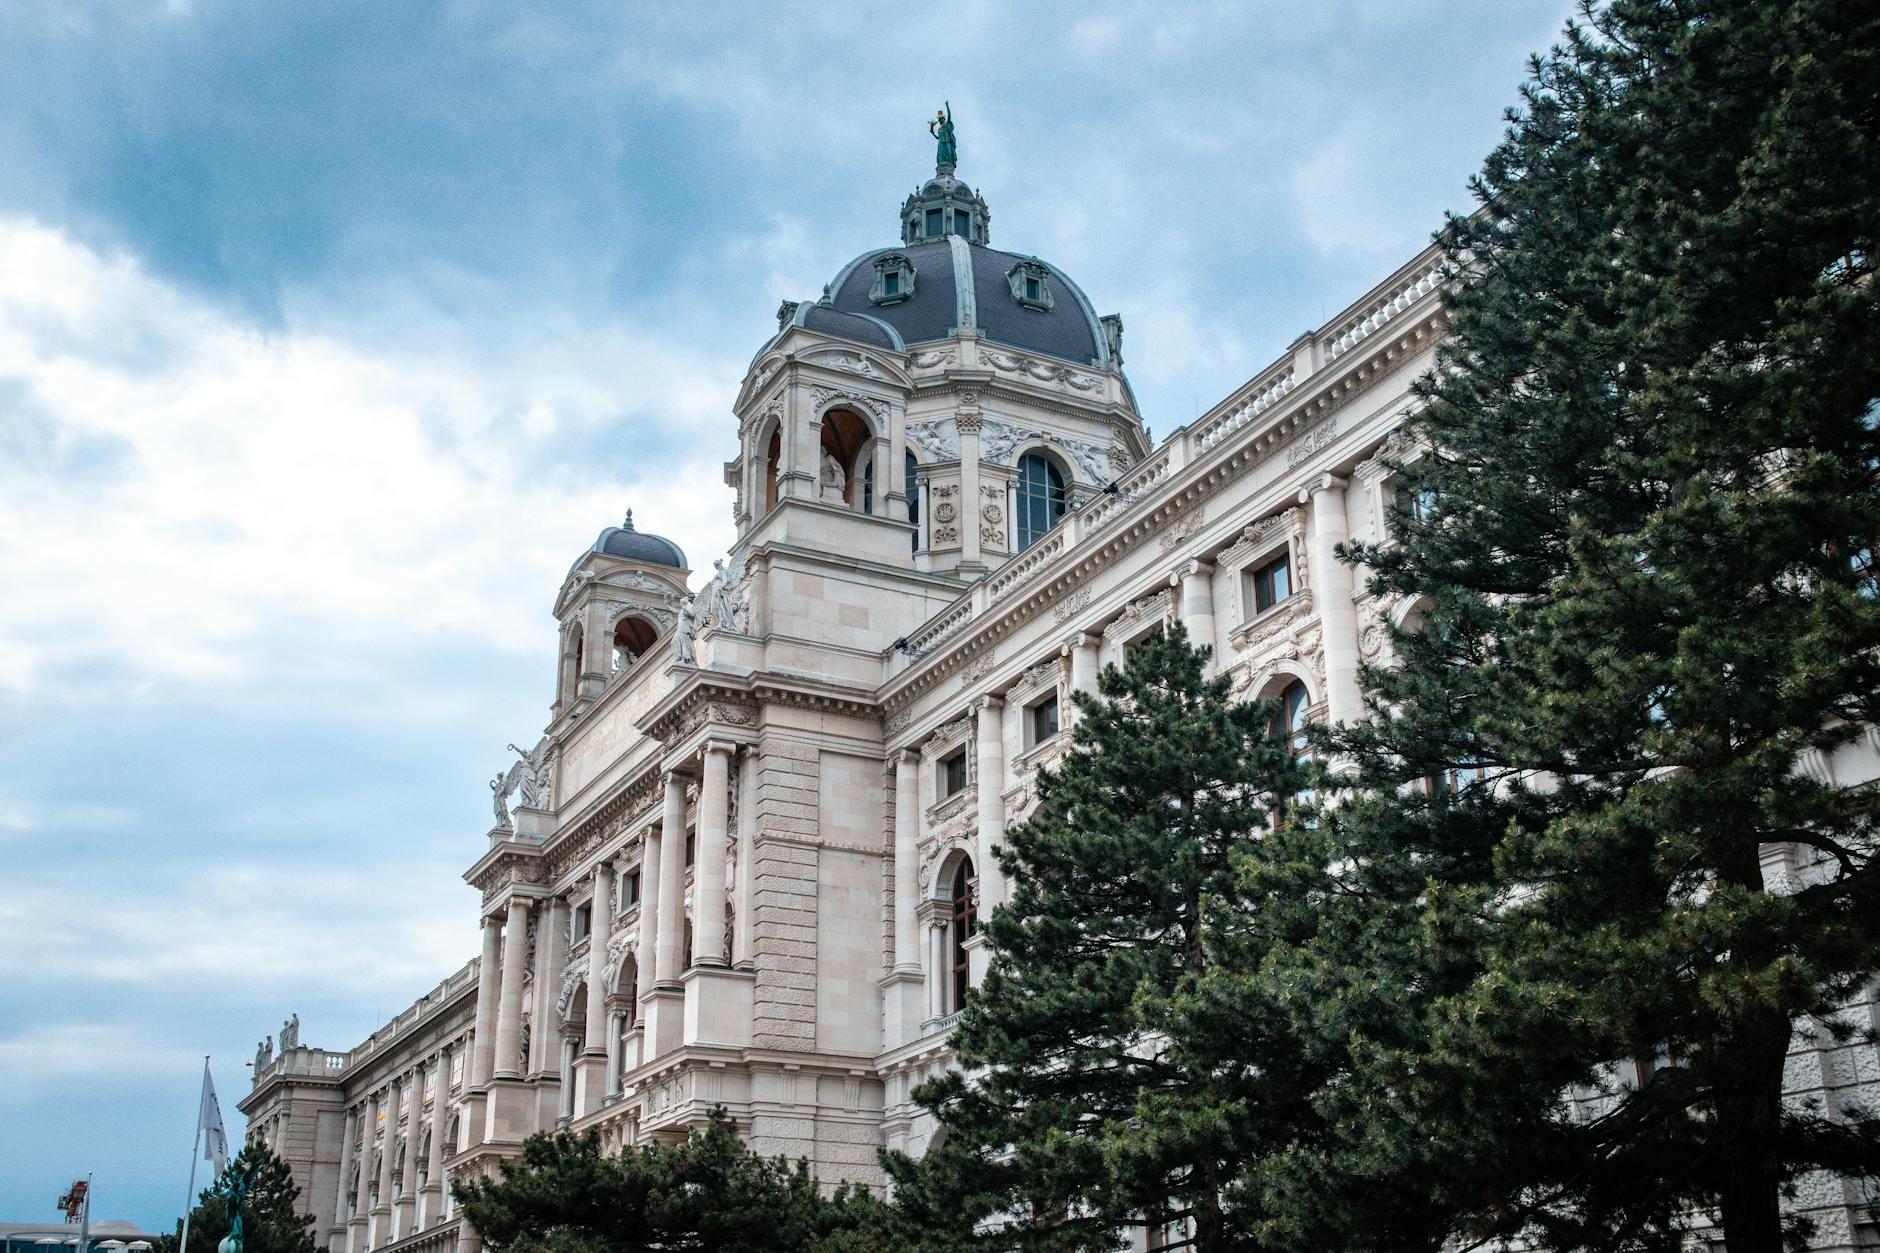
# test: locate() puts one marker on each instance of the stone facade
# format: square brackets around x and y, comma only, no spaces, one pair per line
[755,837]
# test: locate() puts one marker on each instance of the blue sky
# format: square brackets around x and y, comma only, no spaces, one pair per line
[331,333]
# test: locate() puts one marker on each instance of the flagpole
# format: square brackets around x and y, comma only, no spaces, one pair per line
[84,1220]
[189,1202]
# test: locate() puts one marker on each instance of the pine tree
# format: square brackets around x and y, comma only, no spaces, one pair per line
[271,1221]
[1107,1086]
[707,1193]
[1640,531]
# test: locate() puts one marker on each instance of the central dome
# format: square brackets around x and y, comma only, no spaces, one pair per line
[946,278]
[949,284]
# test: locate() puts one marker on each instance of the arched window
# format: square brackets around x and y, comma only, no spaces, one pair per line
[1289,722]
[1288,725]
[632,638]
[571,663]
[963,924]
[1040,497]
[912,488]
[773,452]
[844,437]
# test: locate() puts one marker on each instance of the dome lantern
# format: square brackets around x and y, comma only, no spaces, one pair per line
[945,206]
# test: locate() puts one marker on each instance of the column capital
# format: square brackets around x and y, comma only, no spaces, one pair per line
[1322,483]
[991,703]
[724,748]
[909,756]
[1190,569]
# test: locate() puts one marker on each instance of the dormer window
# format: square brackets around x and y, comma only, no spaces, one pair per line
[962,223]
[935,223]
[1031,284]
[894,279]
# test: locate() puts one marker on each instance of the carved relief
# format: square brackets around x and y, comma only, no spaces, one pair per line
[1182,527]
[1071,604]
[939,439]
[1311,441]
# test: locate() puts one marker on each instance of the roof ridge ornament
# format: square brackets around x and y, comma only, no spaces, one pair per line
[946,150]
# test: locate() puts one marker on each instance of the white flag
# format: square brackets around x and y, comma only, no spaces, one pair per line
[214,1137]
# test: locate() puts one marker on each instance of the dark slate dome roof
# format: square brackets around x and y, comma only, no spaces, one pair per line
[624,541]
[953,278]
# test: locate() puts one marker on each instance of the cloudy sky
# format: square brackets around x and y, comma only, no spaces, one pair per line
[331,333]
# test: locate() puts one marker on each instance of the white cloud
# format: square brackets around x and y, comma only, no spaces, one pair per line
[244,480]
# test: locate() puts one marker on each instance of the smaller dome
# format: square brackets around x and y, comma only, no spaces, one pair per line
[624,541]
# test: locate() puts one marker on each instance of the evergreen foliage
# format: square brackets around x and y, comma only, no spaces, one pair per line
[1119,1084]
[1590,819]
[271,1217]
[708,1193]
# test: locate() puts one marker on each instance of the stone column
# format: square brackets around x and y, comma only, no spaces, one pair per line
[906,859]
[897,464]
[747,860]
[1331,597]
[670,947]
[969,488]
[345,1165]
[714,829]
[431,1203]
[990,760]
[1196,581]
[484,1048]
[591,1068]
[600,931]
[614,1028]
[359,1225]
[937,972]
[508,1062]
[551,954]
[645,953]
[1084,667]
[665,1003]
[407,1203]
[570,1053]
[382,1209]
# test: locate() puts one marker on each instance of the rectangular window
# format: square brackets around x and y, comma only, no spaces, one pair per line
[691,847]
[891,284]
[578,928]
[962,224]
[1270,583]
[953,773]
[1044,719]
[1031,289]
[629,889]
[456,1068]
[934,224]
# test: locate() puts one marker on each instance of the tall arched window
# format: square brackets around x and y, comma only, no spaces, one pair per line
[912,488]
[1289,722]
[1289,727]
[963,924]
[1040,497]
[773,452]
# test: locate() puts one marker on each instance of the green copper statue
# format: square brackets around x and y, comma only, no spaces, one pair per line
[941,128]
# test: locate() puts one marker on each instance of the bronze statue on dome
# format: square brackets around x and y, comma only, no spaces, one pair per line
[947,153]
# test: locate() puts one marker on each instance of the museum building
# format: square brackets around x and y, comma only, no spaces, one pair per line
[747,862]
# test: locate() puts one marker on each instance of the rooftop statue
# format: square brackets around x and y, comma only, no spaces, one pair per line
[947,154]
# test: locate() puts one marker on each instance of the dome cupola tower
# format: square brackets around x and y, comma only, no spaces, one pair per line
[945,206]
[940,407]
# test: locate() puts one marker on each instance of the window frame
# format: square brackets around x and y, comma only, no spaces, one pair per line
[1034,734]
[1052,496]
[943,774]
